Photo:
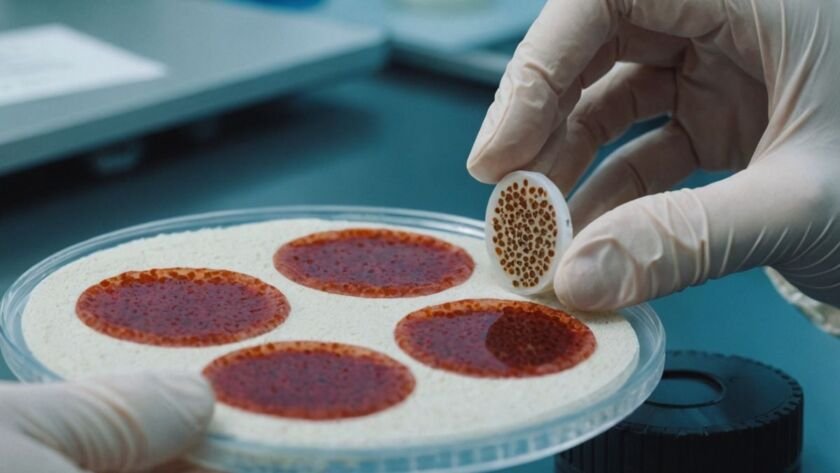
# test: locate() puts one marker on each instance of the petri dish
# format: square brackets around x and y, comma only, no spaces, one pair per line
[519,444]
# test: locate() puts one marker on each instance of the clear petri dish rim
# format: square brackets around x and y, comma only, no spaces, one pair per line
[524,443]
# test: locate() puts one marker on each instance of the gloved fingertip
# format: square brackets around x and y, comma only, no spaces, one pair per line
[578,284]
[478,169]
[598,272]
[194,393]
[171,410]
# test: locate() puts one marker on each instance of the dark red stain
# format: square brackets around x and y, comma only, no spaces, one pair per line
[182,307]
[495,338]
[309,380]
[374,263]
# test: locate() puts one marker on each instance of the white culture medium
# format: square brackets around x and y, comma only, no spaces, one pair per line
[444,405]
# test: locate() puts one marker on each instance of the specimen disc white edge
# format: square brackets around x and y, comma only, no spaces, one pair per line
[562,242]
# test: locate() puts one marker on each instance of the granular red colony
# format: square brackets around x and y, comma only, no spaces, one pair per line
[182,307]
[495,338]
[309,380]
[366,262]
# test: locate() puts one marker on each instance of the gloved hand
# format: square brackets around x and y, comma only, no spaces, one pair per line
[120,423]
[749,86]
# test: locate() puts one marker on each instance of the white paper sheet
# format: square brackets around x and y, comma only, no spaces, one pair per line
[53,59]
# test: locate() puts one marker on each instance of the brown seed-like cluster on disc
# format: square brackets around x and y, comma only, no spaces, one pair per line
[524,233]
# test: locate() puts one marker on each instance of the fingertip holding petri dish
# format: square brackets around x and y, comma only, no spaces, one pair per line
[527,229]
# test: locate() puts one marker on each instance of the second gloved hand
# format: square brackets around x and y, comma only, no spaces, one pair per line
[119,423]
[749,86]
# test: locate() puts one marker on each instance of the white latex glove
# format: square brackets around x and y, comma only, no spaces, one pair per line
[750,85]
[121,423]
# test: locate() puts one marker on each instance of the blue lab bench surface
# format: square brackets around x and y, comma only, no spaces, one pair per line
[397,139]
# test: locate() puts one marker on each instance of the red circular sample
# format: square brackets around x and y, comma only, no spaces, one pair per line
[309,380]
[366,262]
[495,338]
[182,307]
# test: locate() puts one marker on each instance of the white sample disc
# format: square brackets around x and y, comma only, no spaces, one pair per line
[527,228]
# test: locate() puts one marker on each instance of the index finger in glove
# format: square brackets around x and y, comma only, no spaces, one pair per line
[549,63]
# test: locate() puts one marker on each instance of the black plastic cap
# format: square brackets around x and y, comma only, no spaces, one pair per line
[710,413]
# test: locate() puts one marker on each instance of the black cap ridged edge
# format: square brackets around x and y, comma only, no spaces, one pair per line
[637,448]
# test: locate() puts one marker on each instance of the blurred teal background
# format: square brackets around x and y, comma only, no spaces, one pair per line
[397,139]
